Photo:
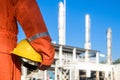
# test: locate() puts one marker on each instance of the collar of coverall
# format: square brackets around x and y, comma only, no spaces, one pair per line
[38,36]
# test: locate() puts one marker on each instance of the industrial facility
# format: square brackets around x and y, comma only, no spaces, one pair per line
[74,63]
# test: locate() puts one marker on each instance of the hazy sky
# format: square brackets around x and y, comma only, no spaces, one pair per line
[103,13]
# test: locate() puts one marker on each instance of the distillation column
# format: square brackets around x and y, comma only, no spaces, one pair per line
[61,38]
[109,50]
[61,29]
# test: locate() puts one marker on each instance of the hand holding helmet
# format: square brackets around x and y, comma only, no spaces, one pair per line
[25,50]
[44,47]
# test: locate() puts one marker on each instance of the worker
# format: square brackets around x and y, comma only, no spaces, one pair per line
[28,15]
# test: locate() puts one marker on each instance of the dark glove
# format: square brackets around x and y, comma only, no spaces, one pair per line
[43,67]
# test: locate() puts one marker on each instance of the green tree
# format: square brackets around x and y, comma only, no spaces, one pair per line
[117,61]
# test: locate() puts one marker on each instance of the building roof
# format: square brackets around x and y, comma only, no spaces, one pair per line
[69,49]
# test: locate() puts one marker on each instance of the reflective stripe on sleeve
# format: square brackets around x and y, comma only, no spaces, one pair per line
[38,36]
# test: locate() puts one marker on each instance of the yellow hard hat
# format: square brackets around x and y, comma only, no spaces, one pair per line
[25,50]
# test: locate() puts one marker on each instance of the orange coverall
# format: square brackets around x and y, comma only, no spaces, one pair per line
[28,14]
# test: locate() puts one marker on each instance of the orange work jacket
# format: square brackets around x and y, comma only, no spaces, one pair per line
[28,14]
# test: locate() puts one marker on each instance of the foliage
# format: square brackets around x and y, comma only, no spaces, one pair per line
[117,61]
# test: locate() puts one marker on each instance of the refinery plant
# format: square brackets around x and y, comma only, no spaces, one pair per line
[74,63]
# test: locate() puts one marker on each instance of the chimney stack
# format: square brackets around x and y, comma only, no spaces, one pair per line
[87,36]
[109,46]
[87,32]
[61,23]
